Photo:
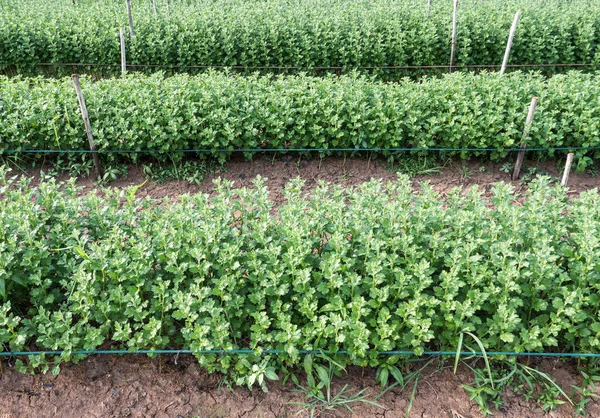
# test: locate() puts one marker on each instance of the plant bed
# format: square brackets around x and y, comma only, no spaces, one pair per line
[215,114]
[365,269]
[305,35]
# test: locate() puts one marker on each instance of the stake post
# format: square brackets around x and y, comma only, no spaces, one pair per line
[123,57]
[453,46]
[511,36]
[565,177]
[131,31]
[86,122]
[528,122]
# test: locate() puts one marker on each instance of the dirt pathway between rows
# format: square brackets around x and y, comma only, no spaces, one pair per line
[137,386]
[334,170]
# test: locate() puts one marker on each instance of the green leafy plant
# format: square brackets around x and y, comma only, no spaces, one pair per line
[76,165]
[303,35]
[507,167]
[191,171]
[465,172]
[413,166]
[587,391]
[488,387]
[387,370]
[364,269]
[113,172]
[490,382]
[217,114]
[258,373]
[530,173]
[401,380]
[593,171]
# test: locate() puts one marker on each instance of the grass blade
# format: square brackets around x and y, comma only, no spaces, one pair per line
[458,350]
[412,396]
[531,370]
[485,357]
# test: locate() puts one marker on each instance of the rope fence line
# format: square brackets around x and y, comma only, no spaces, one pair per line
[303,352]
[292,67]
[258,150]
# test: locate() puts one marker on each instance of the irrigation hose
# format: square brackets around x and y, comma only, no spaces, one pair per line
[258,150]
[295,67]
[264,352]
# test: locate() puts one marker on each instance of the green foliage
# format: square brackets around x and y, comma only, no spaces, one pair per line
[507,167]
[216,111]
[490,384]
[190,171]
[588,390]
[464,170]
[365,269]
[415,165]
[320,394]
[76,165]
[257,373]
[304,33]
[113,172]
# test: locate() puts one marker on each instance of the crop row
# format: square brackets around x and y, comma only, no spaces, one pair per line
[217,111]
[306,33]
[376,267]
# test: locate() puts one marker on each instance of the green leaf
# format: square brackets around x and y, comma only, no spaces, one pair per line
[323,374]
[383,376]
[270,373]
[308,364]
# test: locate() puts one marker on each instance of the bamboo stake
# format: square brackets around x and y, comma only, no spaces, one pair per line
[123,58]
[168,9]
[528,122]
[511,36]
[453,34]
[154,5]
[86,122]
[428,7]
[131,31]
[565,177]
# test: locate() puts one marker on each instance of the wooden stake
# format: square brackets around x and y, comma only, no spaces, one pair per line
[123,57]
[511,36]
[86,122]
[131,31]
[528,122]
[565,177]
[453,34]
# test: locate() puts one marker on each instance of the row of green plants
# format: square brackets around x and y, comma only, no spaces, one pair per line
[219,112]
[305,33]
[364,269]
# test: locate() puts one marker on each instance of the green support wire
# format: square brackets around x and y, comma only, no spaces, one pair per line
[264,352]
[295,67]
[257,150]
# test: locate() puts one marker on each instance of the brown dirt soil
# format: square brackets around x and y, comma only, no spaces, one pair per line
[113,386]
[335,170]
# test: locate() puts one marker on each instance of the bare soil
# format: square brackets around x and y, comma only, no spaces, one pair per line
[137,386]
[337,170]
[132,386]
